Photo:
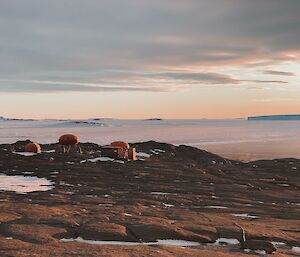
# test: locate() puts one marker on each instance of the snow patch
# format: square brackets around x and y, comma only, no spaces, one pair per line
[143,155]
[229,241]
[101,159]
[160,193]
[168,205]
[283,185]
[49,151]
[25,153]
[119,161]
[262,252]
[245,215]
[215,207]
[276,243]
[296,249]
[159,150]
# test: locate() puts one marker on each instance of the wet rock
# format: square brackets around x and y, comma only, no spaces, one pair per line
[263,245]
[8,216]
[9,243]
[38,234]
[104,231]
[153,232]
[230,232]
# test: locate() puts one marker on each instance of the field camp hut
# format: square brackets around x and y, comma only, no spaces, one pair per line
[121,144]
[69,141]
[132,154]
[33,148]
[119,149]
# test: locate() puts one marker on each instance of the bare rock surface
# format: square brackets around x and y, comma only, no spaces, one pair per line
[172,193]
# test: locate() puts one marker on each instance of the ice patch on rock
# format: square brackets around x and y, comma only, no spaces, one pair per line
[102,159]
[22,185]
[229,241]
[261,252]
[276,243]
[49,151]
[160,193]
[119,161]
[168,205]
[25,153]
[159,150]
[245,215]
[296,249]
[143,155]
[157,242]
[215,207]
[283,185]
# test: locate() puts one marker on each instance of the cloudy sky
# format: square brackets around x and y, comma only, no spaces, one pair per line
[141,58]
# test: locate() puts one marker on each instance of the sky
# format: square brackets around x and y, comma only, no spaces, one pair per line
[143,59]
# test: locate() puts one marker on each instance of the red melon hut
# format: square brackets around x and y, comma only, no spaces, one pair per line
[119,149]
[33,148]
[68,141]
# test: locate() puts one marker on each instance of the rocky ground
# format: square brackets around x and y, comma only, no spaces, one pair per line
[178,193]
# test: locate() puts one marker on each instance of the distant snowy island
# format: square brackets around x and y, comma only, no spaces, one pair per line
[13,119]
[276,117]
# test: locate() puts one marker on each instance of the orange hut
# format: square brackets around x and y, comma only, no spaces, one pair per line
[119,149]
[68,141]
[33,148]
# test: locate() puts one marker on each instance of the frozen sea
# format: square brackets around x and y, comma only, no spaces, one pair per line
[236,139]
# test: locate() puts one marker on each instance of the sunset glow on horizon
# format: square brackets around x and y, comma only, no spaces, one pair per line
[156,59]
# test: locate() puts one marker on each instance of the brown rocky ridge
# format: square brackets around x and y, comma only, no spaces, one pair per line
[210,205]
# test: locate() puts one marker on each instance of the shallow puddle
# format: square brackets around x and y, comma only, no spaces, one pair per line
[23,185]
[245,215]
[158,242]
